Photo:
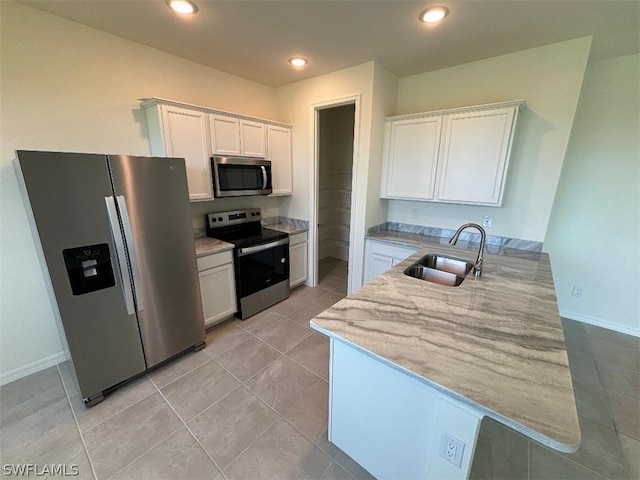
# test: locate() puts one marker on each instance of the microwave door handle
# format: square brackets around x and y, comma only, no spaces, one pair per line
[131,248]
[264,177]
[259,248]
[121,257]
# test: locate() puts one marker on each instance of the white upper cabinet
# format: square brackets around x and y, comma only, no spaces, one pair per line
[225,135]
[253,139]
[279,152]
[412,154]
[456,156]
[183,132]
[196,133]
[236,136]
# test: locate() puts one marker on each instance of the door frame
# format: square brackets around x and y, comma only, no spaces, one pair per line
[356,100]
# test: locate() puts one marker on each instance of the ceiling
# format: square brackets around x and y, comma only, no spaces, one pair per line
[254,39]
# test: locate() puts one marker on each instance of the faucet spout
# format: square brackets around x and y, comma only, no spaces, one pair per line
[477,267]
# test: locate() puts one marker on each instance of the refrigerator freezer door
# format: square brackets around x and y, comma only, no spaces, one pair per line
[160,242]
[67,193]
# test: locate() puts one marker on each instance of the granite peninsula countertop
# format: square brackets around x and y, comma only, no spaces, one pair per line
[494,343]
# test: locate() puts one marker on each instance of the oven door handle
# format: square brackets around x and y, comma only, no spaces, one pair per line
[264,177]
[259,248]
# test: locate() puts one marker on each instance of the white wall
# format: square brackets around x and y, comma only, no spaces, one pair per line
[68,87]
[549,79]
[594,231]
[376,89]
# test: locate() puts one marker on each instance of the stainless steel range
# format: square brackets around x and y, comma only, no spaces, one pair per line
[261,258]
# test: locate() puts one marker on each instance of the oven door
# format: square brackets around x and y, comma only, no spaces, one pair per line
[235,177]
[262,276]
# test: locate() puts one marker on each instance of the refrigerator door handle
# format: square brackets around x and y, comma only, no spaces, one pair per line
[131,248]
[121,257]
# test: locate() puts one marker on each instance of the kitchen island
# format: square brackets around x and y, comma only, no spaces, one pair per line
[413,360]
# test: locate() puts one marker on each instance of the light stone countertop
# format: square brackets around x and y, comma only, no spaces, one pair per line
[209,246]
[287,228]
[495,343]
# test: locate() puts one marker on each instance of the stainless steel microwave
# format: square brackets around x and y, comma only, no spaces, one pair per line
[240,176]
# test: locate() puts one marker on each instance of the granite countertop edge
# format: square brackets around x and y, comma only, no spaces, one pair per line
[210,246]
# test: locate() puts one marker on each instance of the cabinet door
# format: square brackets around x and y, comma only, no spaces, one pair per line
[185,136]
[279,152]
[475,154]
[411,158]
[253,137]
[225,135]
[217,286]
[297,264]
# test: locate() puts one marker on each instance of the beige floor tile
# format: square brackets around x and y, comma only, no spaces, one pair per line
[199,389]
[576,340]
[282,453]
[289,305]
[224,337]
[227,428]
[310,416]
[282,383]
[313,354]
[500,452]
[583,370]
[49,434]
[178,367]
[68,375]
[330,282]
[616,355]
[352,467]
[547,465]
[27,395]
[631,449]
[283,334]
[335,472]
[600,451]
[308,293]
[592,404]
[115,402]
[245,360]
[329,299]
[305,314]
[622,381]
[626,414]
[260,320]
[177,457]
[119,441]
[616,338]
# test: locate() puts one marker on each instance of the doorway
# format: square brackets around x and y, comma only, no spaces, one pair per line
[335,159]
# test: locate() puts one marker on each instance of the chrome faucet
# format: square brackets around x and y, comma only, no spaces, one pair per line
[477,267]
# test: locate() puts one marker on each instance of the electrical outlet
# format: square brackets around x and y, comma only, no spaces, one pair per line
[451,449]
[487,221]
[576,291]
[414,213]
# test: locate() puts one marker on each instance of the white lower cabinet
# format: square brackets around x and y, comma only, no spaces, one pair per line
[297,259]
[217,287]
[380,257]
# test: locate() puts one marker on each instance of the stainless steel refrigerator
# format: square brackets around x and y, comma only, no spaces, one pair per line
[117,241]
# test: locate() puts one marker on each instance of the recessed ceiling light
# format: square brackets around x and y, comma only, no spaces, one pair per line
[182,6]
[298,61]
[434,14]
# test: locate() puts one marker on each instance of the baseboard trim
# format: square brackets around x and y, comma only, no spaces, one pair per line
[600,323]
[30,368]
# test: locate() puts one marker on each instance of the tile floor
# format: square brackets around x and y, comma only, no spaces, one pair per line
[253,404]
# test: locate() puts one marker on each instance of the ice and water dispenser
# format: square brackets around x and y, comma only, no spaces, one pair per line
[89,268]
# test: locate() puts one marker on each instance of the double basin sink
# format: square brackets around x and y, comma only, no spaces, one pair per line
[440,269]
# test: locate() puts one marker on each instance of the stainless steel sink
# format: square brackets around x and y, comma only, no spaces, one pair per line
[449,271]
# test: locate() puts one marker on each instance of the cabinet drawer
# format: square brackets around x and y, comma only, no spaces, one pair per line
[378,248]
[214,260]
[297,238]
